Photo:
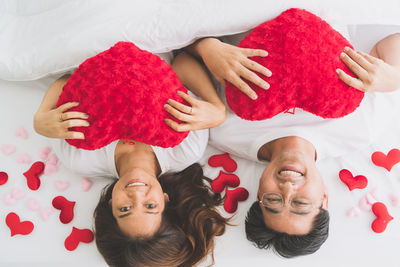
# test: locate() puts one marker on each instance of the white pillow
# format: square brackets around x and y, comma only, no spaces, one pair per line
[44,37]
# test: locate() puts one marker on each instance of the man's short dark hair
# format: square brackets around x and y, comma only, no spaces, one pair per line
[286,245]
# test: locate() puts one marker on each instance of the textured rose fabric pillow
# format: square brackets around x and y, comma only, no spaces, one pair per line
[303,57]
[124,89]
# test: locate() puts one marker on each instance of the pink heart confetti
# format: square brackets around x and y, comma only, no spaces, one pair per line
[44,152]
[12,198]
[86,184]
[61,185]
[24,158]
[49,169]
[52,160]
[46,212]
[8,149]
[21,132]
[353,212]
[395,200]
[17,194]
[32,204]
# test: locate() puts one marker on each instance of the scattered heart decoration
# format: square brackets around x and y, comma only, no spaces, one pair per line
[61,185]
[233,197]
[16,226]
[21,132]
[352,182]
[223,180]
[86,184]
[386,161]
[32,175]
[77,236]
[3,178]
[383,217]
[353,212]
[32,204]
[24,158]
[8,149]
[46,212]
[12,198]
[223,160]
[66,207]
[44,152]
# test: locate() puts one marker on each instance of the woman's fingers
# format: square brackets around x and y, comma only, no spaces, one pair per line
[74,115]
[74,135]
[359,59]
[353,66]
[242,86]
[254,78]
[75,123]
[179,106]
[369,58]
[350,81]
[190,99]
[254,66]
[179,127]
[250,52]
[177,114]
[66,106]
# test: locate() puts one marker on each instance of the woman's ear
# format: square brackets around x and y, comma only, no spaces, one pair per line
[166,197]
[110,202]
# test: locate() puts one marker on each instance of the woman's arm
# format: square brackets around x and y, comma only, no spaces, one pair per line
[54,122]
[377,72]
[231,63]
[201,114]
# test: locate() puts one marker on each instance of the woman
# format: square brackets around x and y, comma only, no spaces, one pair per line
[159,210]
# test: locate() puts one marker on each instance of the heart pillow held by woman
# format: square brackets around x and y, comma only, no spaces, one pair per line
[303,55]
[124,89]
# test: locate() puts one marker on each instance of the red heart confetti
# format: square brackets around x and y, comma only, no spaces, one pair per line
[233,197]
[383,217]
[66,207]
[387,162]
[77,236]
[223,160]
[3,178]
[223,180]
[32,175]
[16,226]
[347,178]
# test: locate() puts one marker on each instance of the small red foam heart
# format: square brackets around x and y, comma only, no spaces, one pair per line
[347,178]
[223,160]
[233,197]
[32,175]
[66,207]
[387,162]
[77,236]
[223,180]
[16,226]
[383,217]
[3,178]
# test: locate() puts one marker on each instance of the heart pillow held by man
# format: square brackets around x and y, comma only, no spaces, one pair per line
[124,89]
[303,55]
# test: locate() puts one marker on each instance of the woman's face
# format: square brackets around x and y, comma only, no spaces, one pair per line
[137,203]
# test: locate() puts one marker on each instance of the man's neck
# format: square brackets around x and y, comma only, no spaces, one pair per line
[273,148]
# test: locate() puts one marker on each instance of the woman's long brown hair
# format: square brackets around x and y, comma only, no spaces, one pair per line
[186,236]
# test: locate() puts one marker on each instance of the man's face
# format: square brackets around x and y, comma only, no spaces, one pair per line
[293,190]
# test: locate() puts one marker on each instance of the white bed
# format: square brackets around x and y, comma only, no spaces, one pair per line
[351,241]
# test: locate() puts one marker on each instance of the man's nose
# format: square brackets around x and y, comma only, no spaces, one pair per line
[288,188]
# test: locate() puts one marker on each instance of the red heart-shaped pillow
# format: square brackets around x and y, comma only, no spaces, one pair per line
[224,179]
[16,226]
[124,90]
[66,207]
[77,236]
[233,197]
[386,161]
[383,217]
[32,175]
[223,160]
[303,55]
[352,182]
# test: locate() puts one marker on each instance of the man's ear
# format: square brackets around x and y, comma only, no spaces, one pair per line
[325,202]
[166,197]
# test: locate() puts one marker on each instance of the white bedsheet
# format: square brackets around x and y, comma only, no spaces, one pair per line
[351,241]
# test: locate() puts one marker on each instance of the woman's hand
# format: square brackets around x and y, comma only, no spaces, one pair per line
[55,123]
[373,74]
[200,115]
[231,63]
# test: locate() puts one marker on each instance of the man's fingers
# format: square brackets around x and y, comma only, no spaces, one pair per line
[74,135]
[74,115]
[242,86]
[75,123]
[350,81]
[254,66]
[179,127]
[254,78]
[354,67]
[358,58]
[250,52]
[179,106]
[177,114]
[66,106]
